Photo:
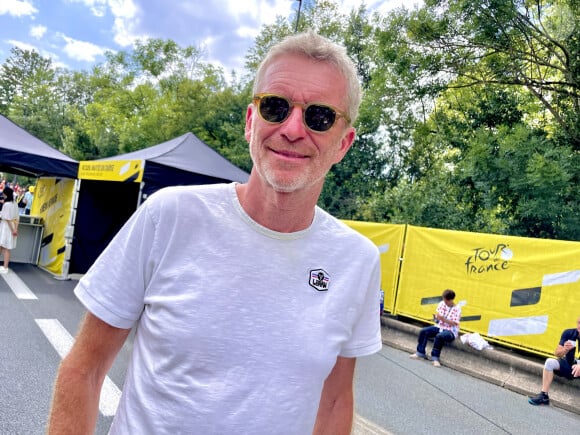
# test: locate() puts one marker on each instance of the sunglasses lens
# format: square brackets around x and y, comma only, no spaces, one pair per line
[274,109]
[319,118]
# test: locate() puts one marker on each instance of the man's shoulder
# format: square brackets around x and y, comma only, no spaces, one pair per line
[345,234]
[570,334]
[181,193]
[176,202]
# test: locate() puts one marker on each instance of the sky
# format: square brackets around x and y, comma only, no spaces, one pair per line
[75,34]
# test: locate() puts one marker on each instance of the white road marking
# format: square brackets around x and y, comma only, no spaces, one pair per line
[62,341]
[18,287]
[362,426]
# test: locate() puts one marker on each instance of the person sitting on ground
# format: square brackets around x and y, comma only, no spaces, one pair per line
[565,365]
[445,330]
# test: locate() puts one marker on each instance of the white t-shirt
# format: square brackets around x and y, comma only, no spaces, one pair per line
[237,326]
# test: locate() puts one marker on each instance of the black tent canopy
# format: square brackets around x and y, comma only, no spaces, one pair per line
[104,205]
[181,161]
[21,153]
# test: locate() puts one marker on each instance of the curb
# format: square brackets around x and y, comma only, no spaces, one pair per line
[497,366]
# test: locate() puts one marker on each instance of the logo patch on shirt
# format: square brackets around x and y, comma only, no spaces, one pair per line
[319,279]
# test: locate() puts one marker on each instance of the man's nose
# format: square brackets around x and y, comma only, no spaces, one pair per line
[293,127]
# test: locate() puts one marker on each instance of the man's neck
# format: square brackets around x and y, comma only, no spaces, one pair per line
[285,212]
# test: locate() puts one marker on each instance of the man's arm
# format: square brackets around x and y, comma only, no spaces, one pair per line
[75,402]
[562,350]
[447,320]
[335,412]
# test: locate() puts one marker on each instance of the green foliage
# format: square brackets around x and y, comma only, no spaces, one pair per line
[529,45]
[223,122]
[26,93]
[470,118]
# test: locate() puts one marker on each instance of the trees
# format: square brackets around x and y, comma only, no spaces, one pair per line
[470,118]
[518,43]
[26,81]
[499,136]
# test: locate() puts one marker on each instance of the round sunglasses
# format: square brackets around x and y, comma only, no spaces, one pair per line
[318,117]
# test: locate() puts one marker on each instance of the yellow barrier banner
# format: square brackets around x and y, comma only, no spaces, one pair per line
[519,291]
[53,202]
[112,170]
[389,239]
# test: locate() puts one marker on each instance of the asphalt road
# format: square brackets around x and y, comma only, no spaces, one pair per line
[397,395]
[394,395]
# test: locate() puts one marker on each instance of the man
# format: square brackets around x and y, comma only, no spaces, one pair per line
[565,365]
[28,198]
[445,330]
[250,304]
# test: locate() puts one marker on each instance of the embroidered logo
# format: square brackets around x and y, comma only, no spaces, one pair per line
[319,279]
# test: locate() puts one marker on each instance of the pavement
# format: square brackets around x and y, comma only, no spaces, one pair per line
[500,366]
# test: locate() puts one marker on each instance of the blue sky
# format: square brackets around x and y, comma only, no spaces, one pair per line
[75,34]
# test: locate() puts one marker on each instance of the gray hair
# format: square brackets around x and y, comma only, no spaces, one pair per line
[314,46]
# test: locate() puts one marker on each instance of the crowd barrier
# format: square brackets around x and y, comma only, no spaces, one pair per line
[517,291]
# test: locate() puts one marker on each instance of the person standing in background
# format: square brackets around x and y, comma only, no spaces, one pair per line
[28,198]
[8,227]
[20,192]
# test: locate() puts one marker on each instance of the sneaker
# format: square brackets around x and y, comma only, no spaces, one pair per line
[436,363]
[539,399]
[3,270]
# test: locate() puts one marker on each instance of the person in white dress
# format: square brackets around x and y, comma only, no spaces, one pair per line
[8,227]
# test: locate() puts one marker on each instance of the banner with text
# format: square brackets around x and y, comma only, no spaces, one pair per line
[112,170]
[53,202]
[516,290]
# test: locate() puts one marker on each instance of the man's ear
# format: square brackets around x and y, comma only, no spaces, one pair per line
[249,120]
[345,143]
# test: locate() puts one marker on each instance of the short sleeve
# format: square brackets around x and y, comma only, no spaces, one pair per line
[114,287]
[366,338]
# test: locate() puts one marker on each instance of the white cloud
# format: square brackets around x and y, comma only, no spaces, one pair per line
[17,8]
[98,7]
[126,16]
[81,50]
[123,8]
[246,32]
[260,10]
[23,45]
[236,7]
[37,32]
[56,63]
[224,28]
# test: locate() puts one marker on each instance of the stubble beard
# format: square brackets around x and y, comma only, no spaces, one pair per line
[279,184]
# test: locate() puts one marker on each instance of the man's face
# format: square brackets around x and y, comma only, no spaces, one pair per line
[288,156]
[449,302]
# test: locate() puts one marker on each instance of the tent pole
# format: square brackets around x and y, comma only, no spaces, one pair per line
[140,196]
